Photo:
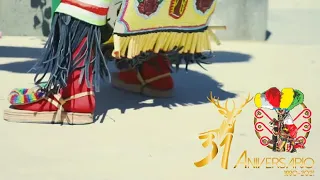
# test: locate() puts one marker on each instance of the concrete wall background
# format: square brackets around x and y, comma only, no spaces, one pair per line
[25,17]
[245,19]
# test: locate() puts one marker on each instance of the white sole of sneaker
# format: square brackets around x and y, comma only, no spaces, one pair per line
[47,117]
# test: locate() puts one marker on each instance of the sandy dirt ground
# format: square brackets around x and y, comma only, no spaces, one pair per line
[142,138]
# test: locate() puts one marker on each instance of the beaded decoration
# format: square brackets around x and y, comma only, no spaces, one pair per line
[21,96]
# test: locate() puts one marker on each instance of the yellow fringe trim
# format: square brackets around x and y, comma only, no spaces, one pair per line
[109,41]
[191,42]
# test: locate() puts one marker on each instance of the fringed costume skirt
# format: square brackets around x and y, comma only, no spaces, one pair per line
[177,29]
[57,62]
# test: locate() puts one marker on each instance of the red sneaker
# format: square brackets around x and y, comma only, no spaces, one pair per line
[74,105]
[153,79]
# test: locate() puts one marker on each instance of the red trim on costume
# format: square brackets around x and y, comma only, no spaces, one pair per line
[177,8]
[92,8]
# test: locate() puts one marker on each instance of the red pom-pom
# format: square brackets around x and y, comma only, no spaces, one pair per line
[273,95]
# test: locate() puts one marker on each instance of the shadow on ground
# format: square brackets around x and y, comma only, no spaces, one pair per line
[35,53]
[20,52]
[191,87]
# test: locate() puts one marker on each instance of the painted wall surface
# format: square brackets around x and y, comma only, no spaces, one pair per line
[25,17]
[245,19]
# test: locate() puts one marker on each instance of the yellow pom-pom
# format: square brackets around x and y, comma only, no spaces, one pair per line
[257,100]
[286,97]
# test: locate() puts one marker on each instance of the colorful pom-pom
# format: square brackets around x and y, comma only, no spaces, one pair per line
[265,103]
[273,96]
[286,98]
[298,99]
[257,100]
[24,96]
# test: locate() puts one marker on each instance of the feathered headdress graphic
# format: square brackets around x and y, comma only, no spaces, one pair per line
[273,98]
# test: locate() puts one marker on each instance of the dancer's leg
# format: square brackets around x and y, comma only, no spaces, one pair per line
[151,78]
[146,39]
[75,64]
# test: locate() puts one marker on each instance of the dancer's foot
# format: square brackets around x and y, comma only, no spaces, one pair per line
[75,104]
[153,79]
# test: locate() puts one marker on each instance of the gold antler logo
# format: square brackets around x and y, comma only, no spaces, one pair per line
[224,134]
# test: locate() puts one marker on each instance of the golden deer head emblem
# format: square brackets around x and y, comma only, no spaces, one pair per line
[224,133]
[229,115]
